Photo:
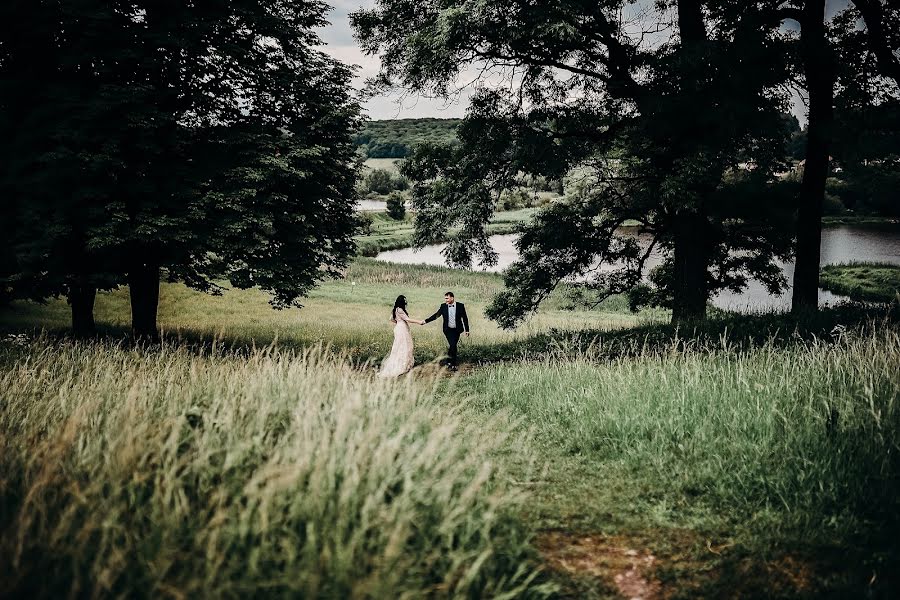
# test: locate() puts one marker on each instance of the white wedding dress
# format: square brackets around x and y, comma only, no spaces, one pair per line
[400,360]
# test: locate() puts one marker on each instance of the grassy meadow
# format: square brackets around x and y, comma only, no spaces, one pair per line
[589,454]
[386,233]
[165,472]
[351,315]
[871,282]
[768,472]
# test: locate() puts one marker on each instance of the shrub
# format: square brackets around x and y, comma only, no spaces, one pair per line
[379,181]
[513,199]
[365,222]
[396,208]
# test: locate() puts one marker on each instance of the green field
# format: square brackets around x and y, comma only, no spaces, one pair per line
[352,315]
[387,234]
[388,164]
[590,454]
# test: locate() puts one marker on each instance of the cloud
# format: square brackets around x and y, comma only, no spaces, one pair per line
[398,106]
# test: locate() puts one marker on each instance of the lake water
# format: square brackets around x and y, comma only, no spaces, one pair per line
[839,245]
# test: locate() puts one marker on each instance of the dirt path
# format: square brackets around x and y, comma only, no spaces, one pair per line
[609,559]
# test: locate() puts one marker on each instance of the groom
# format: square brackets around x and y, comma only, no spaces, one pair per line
[456,322]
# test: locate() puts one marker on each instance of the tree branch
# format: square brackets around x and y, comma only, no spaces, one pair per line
[873,15]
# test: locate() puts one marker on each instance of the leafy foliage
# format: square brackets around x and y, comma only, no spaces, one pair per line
[207,139]
[666,133]
[396,138]
[382,182]
[396,206]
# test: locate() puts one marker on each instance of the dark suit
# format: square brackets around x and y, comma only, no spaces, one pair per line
[452,333]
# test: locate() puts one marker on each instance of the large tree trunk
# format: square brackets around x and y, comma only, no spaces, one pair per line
[143,288]
[818,63]
[81,298]
[690,286]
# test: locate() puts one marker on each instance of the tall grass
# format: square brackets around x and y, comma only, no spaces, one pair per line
[139,473]
[801,440]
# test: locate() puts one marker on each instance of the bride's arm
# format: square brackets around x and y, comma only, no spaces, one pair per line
[401,314]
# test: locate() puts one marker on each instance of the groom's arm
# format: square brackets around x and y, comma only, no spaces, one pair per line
[464,317]
[434,316]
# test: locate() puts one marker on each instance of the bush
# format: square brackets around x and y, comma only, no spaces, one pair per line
[396,207]
[382,181]
[379,181]
[365,222]
[832,205]
[400,183]
[513,199]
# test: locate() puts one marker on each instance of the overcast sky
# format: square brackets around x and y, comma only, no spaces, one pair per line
[338,38]
[339,41]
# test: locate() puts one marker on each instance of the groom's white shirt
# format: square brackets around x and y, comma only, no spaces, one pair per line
[451,315]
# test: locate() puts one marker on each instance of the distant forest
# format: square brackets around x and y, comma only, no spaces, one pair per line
[397,138]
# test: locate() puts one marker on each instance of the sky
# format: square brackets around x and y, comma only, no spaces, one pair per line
[339,42]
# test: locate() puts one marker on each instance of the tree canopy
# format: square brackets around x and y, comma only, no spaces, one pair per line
[208,141]
[396,138]
[673,111]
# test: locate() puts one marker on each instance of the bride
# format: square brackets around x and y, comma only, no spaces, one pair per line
[400,359]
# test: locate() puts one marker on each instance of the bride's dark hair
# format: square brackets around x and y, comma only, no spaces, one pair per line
[400,302]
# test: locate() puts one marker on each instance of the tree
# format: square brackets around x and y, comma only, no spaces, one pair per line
[203,141]
[666,128]
[379,181]
[396,206]
[821,68]
[56,121]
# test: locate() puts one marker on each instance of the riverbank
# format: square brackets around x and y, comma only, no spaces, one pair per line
[867,282]
[840,244]
[872,222]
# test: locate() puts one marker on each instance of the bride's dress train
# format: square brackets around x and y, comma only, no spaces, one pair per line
[401,359]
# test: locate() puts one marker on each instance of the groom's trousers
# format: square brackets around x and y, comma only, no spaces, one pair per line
[452,336]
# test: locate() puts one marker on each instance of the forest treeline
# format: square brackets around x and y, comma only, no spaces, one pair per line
[396,138]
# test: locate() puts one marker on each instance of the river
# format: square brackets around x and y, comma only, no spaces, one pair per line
[839,245]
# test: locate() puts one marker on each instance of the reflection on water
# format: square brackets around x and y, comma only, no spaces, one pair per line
[839,245]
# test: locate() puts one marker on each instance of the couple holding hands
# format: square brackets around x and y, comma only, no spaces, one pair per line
[401,360]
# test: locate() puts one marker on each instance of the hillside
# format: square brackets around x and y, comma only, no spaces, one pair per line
[396,138]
